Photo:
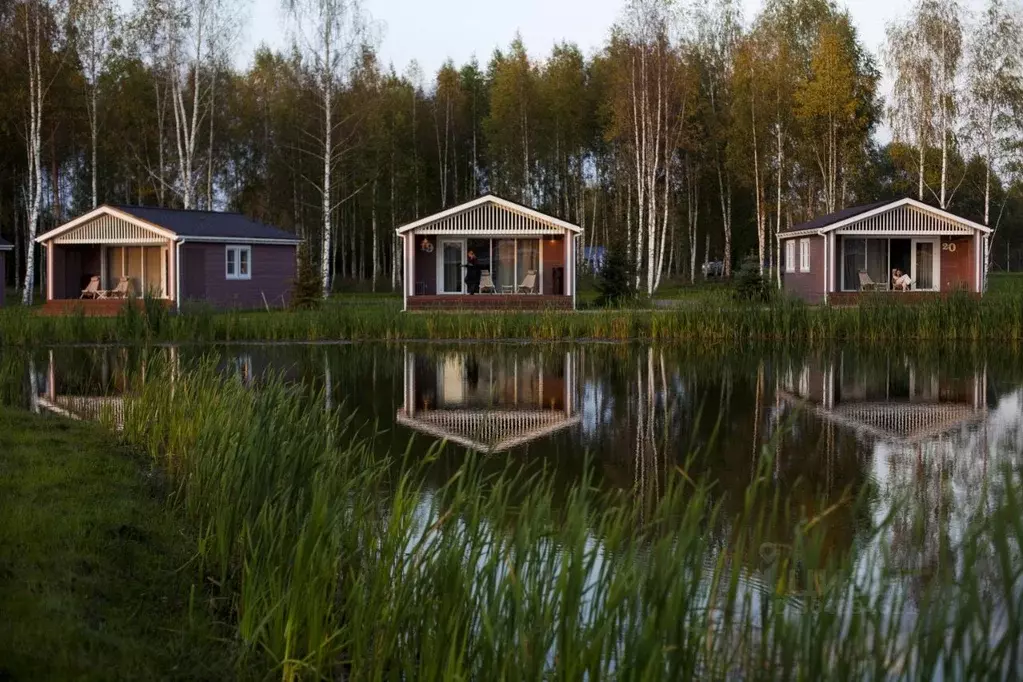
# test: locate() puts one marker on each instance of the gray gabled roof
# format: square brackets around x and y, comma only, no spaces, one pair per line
[5,245]
[838,216]
[847,216]
[208,224]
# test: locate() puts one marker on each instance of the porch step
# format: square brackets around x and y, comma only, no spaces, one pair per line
[109,307]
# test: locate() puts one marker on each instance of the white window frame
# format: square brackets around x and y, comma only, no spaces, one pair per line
[232,253]
[790,255]
[804,254]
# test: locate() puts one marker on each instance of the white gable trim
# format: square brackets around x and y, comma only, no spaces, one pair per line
[912,203]
[110,211]
[528,213]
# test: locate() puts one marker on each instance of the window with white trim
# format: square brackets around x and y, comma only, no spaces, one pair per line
[804,255]
[238,262]
[790,256]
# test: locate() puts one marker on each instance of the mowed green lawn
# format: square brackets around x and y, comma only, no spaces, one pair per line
[95,572]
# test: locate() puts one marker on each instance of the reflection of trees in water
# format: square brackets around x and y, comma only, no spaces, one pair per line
[936,489]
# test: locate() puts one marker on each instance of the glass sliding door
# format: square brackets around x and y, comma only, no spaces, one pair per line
[924,265]
[528,275]
[864,255]
[877,261]
[854,253]
[503,260]
[453,257]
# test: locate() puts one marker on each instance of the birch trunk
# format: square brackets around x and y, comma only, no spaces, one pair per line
[33,144]
[326,91]
[376,242]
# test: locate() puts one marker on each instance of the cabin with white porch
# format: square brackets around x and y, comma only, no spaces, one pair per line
[904,248]
[523,259]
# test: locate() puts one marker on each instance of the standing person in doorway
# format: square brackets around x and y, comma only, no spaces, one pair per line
[472,274]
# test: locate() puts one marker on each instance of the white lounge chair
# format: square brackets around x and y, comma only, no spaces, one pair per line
[92,289]
[487,283]
[868,284]
[122,289]
[529,282]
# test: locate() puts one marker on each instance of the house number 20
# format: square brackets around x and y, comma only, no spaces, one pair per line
[948,246]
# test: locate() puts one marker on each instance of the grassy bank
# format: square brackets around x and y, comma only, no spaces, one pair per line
[94,577]
[333,563]
[996,318]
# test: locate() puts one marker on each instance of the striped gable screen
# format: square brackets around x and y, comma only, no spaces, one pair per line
[108,229]
[907,219]
[490,219]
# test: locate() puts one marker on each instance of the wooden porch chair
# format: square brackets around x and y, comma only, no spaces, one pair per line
[529,282]
[487,283]
[92,289]
[122,289]
[868,284]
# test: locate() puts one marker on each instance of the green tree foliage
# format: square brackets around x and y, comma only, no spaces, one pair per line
[751,284]
[615,281]
[306,293]
[764,123]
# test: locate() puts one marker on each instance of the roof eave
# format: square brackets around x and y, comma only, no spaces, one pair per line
[105,209]
[485,199]
[239,240]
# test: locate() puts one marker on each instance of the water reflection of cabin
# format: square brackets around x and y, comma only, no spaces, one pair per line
[896,403]
[92,391]
[488,403]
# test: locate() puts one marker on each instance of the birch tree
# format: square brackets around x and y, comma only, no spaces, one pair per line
[645,119]
[995,85]
[94,28]
[330,34]
[995,73]
[827,107]
[38,27]
[198,31]
[718,29]
[924,53]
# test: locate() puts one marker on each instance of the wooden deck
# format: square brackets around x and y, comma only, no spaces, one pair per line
[490,302]
[107,307]
[840,298]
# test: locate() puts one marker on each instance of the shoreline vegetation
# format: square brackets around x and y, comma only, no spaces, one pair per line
[95,581]
[997,318]
[333,562]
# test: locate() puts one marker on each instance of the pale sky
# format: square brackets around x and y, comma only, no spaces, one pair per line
[433,30]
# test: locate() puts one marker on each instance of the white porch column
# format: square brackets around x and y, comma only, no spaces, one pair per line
[978,262]
[570,265]
[49,269]
[170,283]
[406,270]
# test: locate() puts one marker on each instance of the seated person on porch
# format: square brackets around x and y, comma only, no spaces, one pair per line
[900,280]
[472,274]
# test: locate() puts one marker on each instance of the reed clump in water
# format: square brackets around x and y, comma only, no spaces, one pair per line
[881,319]
[335,562]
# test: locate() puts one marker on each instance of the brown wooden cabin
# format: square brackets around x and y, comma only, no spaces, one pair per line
[224,259]
[841,256]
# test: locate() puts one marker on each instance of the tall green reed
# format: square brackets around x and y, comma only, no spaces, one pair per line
[879,319]
[335,561]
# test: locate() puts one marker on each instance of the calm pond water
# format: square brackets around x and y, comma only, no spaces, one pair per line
[892,425]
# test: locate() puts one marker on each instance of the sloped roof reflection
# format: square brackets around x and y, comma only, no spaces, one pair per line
[899,404]
[488,403]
